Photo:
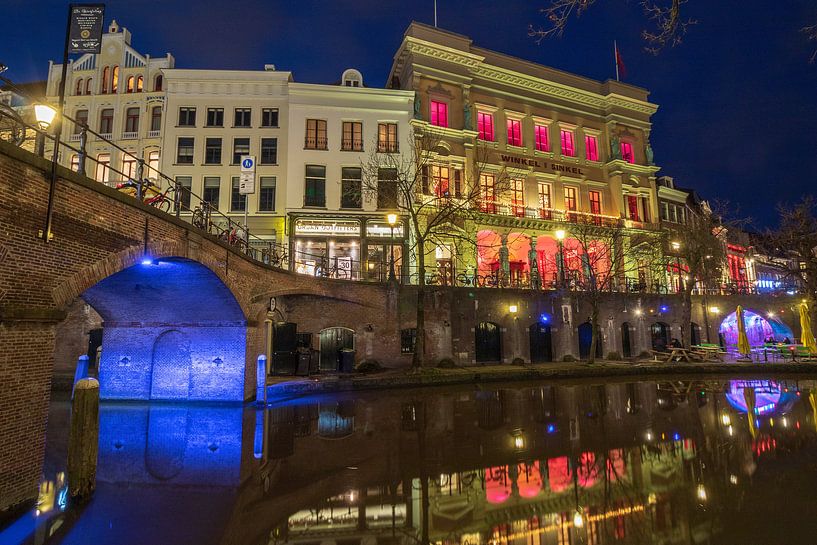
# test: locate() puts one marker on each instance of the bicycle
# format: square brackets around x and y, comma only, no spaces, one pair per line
[150,195]
[199,218]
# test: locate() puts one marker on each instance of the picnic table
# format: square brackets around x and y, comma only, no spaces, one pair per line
[672,354]
[708,352]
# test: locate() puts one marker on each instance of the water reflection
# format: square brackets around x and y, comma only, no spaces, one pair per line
[670,462]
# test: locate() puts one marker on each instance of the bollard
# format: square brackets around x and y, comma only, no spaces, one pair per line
[261,379]
[84,440]
[80,373]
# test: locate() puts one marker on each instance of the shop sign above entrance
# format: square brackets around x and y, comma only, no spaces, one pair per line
[540,164]
[330,227]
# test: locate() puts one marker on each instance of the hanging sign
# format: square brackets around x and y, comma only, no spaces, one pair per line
[85,28]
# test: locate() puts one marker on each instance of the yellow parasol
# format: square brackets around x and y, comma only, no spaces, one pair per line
[812,397]
[806,336]
[743,341]
[751,401]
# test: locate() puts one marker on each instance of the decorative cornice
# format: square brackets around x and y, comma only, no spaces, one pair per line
[448,54]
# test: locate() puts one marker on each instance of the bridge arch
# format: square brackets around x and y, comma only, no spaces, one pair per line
[172,330]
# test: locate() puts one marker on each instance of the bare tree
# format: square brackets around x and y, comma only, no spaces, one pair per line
[669,26]
[598,257]
[811,35]
[796,234]
[437,207]
[701,246]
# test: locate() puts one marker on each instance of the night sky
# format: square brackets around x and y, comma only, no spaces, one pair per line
[738,99]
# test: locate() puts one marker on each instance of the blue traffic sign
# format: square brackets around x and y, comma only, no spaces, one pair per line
[247,163]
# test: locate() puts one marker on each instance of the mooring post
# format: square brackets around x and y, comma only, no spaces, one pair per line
[261,379]
[80,373]
[83,440]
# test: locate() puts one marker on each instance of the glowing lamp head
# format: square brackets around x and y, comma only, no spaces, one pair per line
[714,310]
[45,115]
[544,318]
[392,219]
[519,441]
[638,312]
[664,308]
[578,519]
[701,492]
[148,261]
[513,309]
[560,234]
[675,245]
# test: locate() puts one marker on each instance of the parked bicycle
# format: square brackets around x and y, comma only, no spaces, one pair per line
[151,193]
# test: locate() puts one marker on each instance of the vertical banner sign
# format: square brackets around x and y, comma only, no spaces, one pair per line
[85,34]
[246,184]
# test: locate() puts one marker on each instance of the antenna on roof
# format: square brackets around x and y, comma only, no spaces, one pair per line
[435,13]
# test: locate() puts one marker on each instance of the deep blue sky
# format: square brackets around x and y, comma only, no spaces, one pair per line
[738,99]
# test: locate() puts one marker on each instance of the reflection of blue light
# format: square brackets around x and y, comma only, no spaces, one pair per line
[676,436]
[62,498]
[147,261]
[551,428]
[544,318]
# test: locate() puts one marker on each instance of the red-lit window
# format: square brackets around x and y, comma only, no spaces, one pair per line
[568,148]
[518,197]
[632,207]
[570,202]
[514,132]
[544,201]
[627,152]
[441,179]
[487,192]
[595,202]
[540,134]
[439,113]
[591,146]
[485,126]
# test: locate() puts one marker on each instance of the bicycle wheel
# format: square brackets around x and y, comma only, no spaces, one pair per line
[163,205]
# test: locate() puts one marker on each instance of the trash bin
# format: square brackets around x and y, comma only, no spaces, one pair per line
[347,360]
[304,361]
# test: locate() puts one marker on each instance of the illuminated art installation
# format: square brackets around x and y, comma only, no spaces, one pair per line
[758,329]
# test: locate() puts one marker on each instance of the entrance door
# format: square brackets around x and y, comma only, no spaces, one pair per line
[626,347]
[284,343]
[695,334]
[660,335]
[333,340]
[487,342]
[170,372]
[586,339]
[541,347]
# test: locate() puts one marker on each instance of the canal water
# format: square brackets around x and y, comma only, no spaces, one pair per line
[717,462]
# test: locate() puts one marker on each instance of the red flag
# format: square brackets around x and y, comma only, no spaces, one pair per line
[621,70]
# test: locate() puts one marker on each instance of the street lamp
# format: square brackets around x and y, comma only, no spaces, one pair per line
[676,247]
[44,115]
[560,265]
[392,220]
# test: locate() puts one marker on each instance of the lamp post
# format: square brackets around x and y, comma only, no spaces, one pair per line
[560,264]
[45,116]
[676,247]
[392,220]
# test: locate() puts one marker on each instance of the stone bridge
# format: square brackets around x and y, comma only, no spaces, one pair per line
[183,312]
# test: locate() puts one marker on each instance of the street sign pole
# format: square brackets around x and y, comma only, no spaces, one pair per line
[246,186]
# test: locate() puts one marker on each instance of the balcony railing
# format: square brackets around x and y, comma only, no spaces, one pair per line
[130,135]
[387,147]
[154,134]
[351,145]
[74,137]
[315,143]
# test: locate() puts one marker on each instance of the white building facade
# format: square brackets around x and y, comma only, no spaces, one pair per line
[118,93]
[336,227]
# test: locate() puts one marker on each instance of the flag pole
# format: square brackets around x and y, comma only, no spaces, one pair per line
[615,58]
[435,13]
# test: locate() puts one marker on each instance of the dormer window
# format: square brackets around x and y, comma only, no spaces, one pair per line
[352,78]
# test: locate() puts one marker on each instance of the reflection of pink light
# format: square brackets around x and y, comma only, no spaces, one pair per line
[497,484]
[767,395]
[529,480]
[588,472]
[559,476]
[616,469]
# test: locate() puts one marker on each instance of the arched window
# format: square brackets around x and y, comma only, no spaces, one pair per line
[115,79]
[88,86]
[79,87]
[129,86]
[105,75]
[139,84]
[157,83]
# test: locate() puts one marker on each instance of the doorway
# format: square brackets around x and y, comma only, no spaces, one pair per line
[487,343]
[586,339]
[333,340]
[695,334]
[626,345]
[541,346]
[659,332]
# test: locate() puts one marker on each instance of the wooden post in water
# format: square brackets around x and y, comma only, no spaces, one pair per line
[84,439]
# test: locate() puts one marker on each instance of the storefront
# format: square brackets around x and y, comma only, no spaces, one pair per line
[350,247]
